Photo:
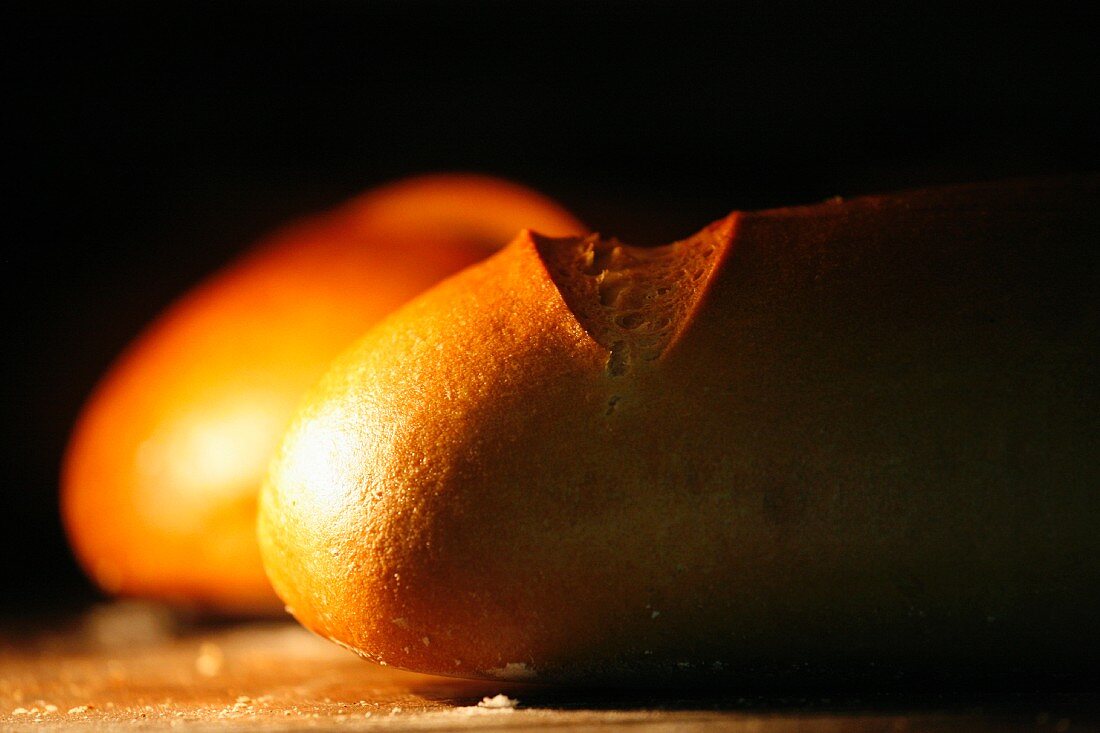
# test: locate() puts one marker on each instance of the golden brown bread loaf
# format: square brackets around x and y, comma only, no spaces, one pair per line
[852,438]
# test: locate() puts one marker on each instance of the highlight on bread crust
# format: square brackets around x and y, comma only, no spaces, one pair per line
[860,448]
[163,469]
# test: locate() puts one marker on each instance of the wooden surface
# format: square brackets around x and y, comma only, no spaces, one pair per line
[130,666]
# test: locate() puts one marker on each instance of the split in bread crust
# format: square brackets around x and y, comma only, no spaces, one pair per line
[633,301]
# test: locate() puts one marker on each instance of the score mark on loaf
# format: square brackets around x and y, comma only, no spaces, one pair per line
[855,438]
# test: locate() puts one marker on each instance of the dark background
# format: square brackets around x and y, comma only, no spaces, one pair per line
[153,142]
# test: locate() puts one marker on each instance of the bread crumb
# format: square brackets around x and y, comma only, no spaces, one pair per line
[210,660]
[498,702]
[20,711]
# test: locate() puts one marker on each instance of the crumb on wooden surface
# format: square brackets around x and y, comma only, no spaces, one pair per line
[498,702]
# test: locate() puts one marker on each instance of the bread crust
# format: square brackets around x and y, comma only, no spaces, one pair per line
[868,450]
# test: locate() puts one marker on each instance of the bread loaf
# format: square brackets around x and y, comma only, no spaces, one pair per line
[162,473]
[855,438]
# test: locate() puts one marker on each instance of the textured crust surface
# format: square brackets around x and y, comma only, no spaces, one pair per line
[868,450]
[163,469]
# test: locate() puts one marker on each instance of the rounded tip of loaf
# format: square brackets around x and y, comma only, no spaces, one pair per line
[399,507]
